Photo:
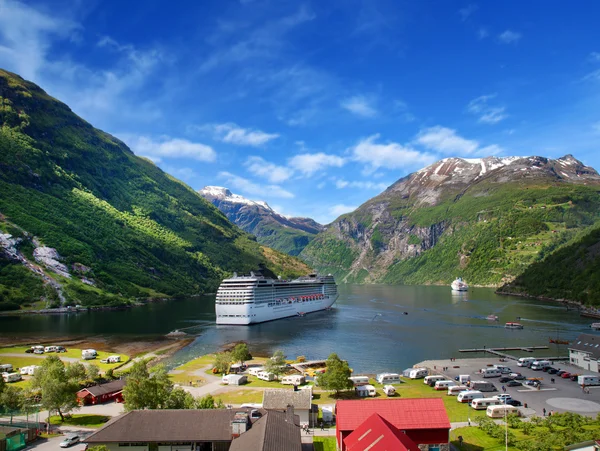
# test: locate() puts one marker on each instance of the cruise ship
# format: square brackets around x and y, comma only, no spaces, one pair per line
[243,300]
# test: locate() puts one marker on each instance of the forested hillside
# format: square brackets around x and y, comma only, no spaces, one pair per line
[85,221]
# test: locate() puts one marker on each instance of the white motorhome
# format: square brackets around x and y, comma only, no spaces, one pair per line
[365,390]
[540,364]
[6,368]
[469,395]
[454,391]
[482,386]
[501,410]
[588,380]
[89,354]
[388,378]
[389,390]
[294,379]
[265,376]
[526,361]
[431,380]
[484,403]
[11,377]
[418,373]
[491,372]
[359,380]
[444,385]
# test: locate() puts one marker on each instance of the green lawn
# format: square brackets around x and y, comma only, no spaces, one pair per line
[240,396]
[324,443]
[474,439]
[33,359]
[87,420]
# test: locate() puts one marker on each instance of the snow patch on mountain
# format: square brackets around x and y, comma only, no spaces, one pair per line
[224,194]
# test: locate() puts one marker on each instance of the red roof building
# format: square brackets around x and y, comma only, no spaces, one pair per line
[111,391]
[423,421]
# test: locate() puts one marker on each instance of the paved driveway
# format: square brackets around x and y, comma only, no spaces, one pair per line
[52,444]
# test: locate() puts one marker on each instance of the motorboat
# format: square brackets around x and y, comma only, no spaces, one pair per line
[459,285]
[513,326]
[492,317]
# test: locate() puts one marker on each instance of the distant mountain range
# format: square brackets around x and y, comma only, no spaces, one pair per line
[286,234]
[85,221]
[483,219]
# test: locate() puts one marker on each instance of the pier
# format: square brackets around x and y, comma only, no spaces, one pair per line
[499,353]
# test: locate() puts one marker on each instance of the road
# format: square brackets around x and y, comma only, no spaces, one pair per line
[52,444]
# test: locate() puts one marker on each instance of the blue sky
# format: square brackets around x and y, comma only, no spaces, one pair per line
[312,106]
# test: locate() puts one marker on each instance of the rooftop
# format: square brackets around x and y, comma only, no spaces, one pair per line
[377,434]
[104,389]
[587,343]
[280,398]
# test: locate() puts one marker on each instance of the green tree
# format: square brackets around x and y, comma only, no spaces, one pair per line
[110,374]
[206,402]
[240,353]
[222,362]
[76,371]
[57,386]
[276,364]
[11,400]
[145,390]
[3,385]
[180,399]
[92,372]
[336,376]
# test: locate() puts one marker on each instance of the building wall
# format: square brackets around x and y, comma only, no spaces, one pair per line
[582,360]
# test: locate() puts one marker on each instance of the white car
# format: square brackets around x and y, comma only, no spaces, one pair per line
[68,441]
[504,397]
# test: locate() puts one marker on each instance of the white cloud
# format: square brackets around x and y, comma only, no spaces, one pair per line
[359,105]
[309,163]
[272,172]
[163,147]
[234,134]
[492,149]
[248,187]
[390,155]
[594,57]
[593,76]
[510,37]
[341,183]
[445,140]
[488,114]
[466,12]
[185,174]
[340,209]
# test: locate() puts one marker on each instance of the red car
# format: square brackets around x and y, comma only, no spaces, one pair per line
[565,375]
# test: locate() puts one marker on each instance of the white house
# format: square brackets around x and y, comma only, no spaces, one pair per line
[584,352]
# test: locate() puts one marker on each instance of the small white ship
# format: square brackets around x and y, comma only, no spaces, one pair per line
[459,285]
[253,299]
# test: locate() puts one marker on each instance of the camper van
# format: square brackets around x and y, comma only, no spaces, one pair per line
[294,379]
[484,403]
[359,380]
[469,395]
[482,386]
[540,365]
[11,377]
[88,354]
[6,368]
[265,376]
[444,385]
[588,380]
[501,410]
[112,359]
[454,391]
[389,390]
[365,390]
[418,373]
[431,380]
[525,361]
[491,372]
[388,378]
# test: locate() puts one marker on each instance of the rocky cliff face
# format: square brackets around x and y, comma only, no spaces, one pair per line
[285,234]
[443,220]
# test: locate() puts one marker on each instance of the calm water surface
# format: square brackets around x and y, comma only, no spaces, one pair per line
[375,327]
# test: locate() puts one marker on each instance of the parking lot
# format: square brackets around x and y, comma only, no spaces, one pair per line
[563,395]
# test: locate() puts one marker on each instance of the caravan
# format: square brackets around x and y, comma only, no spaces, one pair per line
[89,354]
[359,380]
[540,365]
[431,380]
[484,403]
[255,370]
[584,381]
[294,379]
[265,376]
[444,385]
[454,391]
[11,377]
[469,395]
[389,390]
[388,378]
[526,361]
[366,390]
[418,373]
[501,411]
[491,372]
[6,368]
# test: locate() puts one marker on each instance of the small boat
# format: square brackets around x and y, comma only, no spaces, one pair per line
[513,326]
[556,341]
[459,285]
[595,326]
[492,317]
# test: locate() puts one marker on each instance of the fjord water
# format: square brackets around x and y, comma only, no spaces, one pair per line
[375,327]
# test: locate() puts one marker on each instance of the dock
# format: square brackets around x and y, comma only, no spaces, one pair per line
[499,351]
[302,367]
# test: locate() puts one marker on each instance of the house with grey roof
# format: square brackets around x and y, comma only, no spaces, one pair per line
[301,400]
[584,352]
[200,430]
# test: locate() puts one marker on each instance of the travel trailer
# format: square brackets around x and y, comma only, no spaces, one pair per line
[431,380]
[255,370]
[418,373]
[501,411]
[454,391]
[359,380]
[526,361]
[444,385]
[389,390]
[265,376]
[469,395]
[540,365]
[484,403]
[365,390]
[11,377]
[388,378]
[491,372]
[588,380]
[294,379]
[6,368]
[89,354]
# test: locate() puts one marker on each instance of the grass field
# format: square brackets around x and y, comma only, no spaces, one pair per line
[324,443]
[87,420]
[240,396]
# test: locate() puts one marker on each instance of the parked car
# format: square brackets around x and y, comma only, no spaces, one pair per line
[552,371]
[38,351]
[60,349]
[565,375]
[546,368]
[520,377]
[560,373]
[514,402]
[69,441]
[533,383]
[513,384]
[505,397]
[504,379]
[29,351]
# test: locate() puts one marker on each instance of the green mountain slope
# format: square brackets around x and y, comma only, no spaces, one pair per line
[485,220]
[289,235]
[572,272]
[123,228]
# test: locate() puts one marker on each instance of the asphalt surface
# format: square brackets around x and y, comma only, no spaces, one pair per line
[52,444]
[563,395]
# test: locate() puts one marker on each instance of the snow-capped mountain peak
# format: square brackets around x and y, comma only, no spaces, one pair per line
[224,194]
